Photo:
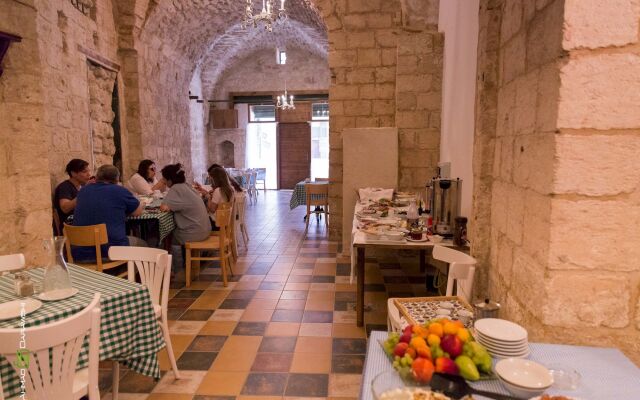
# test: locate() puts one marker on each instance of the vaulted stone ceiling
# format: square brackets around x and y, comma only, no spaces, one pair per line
[208,32]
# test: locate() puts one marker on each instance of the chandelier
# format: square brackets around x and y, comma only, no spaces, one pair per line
[267,17]
[285,102]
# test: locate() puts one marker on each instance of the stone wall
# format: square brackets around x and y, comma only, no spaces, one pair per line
[101,84]
[363,57]
[198,121]
[26,212]
[556,154]
[258,72]
[216,138]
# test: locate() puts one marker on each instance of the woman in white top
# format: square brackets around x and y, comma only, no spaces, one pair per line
[222,192]
[144,182]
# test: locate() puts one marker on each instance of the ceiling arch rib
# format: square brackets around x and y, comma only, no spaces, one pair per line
[238,43]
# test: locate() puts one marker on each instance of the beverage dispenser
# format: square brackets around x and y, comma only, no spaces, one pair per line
[444,202]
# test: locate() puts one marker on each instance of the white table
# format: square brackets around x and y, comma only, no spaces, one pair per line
[607,374]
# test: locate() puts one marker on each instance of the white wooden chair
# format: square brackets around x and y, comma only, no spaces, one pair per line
[461,273]
[253,191]
[154,268]
[11,262]
[57,344]
[261,178]
[241,203]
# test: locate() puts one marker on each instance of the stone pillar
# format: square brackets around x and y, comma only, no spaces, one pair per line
[101,84]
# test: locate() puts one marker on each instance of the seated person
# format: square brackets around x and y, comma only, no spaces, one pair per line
[144,182]
[64,198]
[223,192]
[189,211]
[106,202]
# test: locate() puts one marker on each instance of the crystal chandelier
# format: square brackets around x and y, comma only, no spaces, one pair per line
[285,102]
[267,17]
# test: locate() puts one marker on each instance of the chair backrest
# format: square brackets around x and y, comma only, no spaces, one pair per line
[153,266]
[241,203]
[11,262]
[261,174]
[317,195]
[461,270]
[321,179]
[223,219]
[53,353]
[90,235]
[252,178]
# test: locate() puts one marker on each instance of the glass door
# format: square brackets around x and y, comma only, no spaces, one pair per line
[262,150]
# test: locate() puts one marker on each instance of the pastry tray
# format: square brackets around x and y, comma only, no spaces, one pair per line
[418,310]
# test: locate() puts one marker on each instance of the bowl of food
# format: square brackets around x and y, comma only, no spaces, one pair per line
[436,238]
[389,385]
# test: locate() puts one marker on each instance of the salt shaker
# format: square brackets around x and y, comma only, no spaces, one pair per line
[23,284]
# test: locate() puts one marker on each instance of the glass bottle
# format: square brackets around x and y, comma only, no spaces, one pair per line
[56,273]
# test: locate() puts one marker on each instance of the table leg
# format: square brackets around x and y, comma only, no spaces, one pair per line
[423,264]
[360,286]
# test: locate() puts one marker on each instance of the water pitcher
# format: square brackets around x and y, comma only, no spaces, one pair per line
[56,274]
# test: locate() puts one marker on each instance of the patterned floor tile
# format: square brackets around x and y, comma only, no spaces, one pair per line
[310,385]
[196,361]
[207,343]
[265,384]
[272,362]
[276,344]
[250,328]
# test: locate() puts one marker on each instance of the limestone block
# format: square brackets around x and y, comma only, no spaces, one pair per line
[412,119]
[369,57]
[343,58]
[506,161]
[511,19]
[528,280]
[506,103]
[377,20]
[547,103]
[594,299]
[362,107]
[407,102]
[544,36]
[505,259]
[498,207]
[600,91]
[434,120]
[343,92]
[361,75]
[525,110]
[592,23]
[536,226]
[533,162]
[428,139]
[515,214]
[377,91]
[386,38]
[388,57]
[354,21]
[336,107]
[597,165]
[385,74]
[416,158]
[367,122]
[595,235]
[360,40]
[407,64]
[407,138]
[513,57]
[429,101]
[383,107]
[413,83]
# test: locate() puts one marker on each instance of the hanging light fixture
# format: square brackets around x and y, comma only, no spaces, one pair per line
[267,17]
[285,102]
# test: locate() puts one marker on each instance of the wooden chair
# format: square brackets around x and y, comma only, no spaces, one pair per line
[253,191]
[154,268]
[317,195]
[241,208]
[261,178]
[90,235]
[218,241]
[11,262]
[58,344]
[460,276]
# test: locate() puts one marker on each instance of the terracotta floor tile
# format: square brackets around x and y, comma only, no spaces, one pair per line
[291,304]
[188,383]
[315,329]
[287,316]
[252,278]
[302,271]
[348,330]
[317,316]
[133,382]
[320,295]
[269,384]
[345,287]
[236,344]
[272,362]
[347,363]
[166,396]
[267,294]
[208,343]
[313,363]
[247,285]
[294,295]
[297,286]
[206,303]
[240,360]
[220,328]
[282,329]
[325,269]
[196,361]
[312,385]
[344,317]
[226,315]
[299,278]
[196,315]
[255,315]
[344,385]
[180,344]
[319,305]
[349,346]
[262,304]
[278,344]
[323,286]
[185,327]
[281,278]
[250,328]
[311,344]
[222,383]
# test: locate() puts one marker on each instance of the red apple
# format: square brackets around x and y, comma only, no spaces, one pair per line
[446,366]
[451,344]
[407,330]
[400,349]
[405,338]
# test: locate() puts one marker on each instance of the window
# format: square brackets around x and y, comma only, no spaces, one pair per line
[319,111]
[282,57]
[262,113]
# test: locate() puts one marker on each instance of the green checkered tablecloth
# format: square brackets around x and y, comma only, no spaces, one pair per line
[299,195]
[129,330]
[166,223]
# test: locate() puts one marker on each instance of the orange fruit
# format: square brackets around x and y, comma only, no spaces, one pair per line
[463,334]
[433,340]
[411,352]
[436,329]
[422,369]
[450,328]
[424,352]
[417,341]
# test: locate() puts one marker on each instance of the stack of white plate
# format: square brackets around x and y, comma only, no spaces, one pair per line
[502,338]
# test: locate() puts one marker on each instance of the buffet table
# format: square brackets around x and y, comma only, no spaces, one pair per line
[606,373]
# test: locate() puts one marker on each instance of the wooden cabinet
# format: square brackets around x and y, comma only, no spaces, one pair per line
[224,119]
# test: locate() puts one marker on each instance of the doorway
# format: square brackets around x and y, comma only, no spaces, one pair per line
[262,150]
[295,153]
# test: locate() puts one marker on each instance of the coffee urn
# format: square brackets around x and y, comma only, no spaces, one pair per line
[443,199]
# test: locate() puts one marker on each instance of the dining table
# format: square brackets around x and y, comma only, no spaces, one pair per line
[605,373]
[129,330]
[152,223]
[299,194]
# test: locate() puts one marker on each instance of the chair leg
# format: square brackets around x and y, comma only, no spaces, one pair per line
[223,268]
[196,265]
[245,234]
[187,266]
[326,215]
[116,380]
[167,339]
[306,228]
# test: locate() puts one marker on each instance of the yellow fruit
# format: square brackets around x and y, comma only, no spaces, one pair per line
[417,342]
[436,329]
[463,334]
[450,328]
[458,323]
[433,340]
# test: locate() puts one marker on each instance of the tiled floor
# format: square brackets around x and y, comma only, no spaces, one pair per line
[285,325]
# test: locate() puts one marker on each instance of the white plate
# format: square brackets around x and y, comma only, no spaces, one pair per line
[13,309]
[501,330]
[501,356]
[502,345]
[524,373]
[59,294]
[517,351]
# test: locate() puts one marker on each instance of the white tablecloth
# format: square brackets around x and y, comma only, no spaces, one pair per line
[607,374]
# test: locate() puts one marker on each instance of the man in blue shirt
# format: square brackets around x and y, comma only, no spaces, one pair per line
[105,202]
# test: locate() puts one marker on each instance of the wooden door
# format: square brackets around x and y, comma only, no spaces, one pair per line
[294,153]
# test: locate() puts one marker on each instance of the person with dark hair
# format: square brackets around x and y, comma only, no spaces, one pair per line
[106,202]
[222,190]
[189,212]
[144,182]
[64,198]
